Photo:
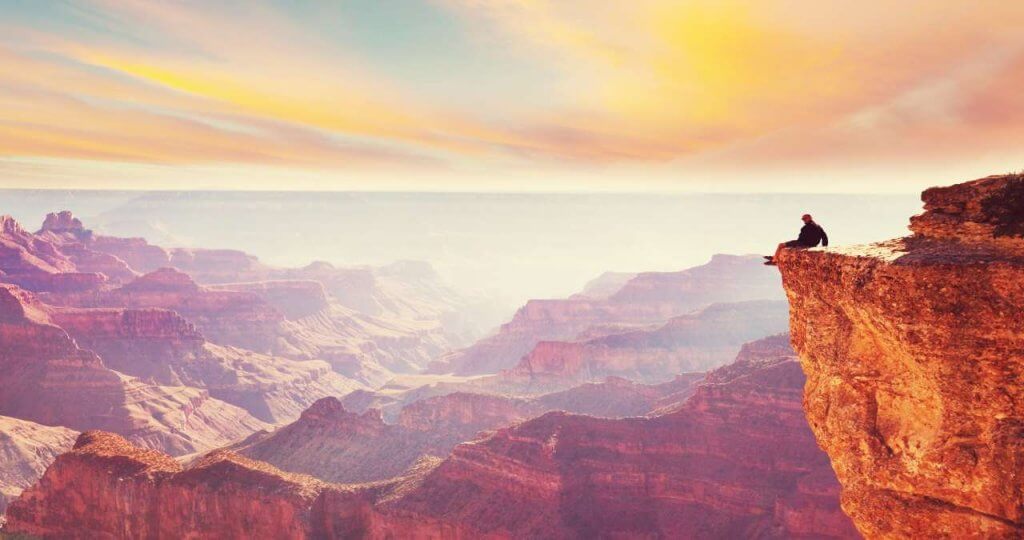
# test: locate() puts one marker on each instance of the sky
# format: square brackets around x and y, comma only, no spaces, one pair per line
[505,95]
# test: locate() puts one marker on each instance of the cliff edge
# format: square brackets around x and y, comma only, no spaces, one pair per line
[914,354]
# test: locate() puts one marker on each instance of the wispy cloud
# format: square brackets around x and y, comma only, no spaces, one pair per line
[653,83]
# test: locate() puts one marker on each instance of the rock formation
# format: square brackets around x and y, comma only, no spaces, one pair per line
[737,460]
[647,299]
[227,317]
[160,346]
[340,446]
[914,353]
[108,488]
[295,299]
[47,378]
[60,222]
[696,342]
[26,449]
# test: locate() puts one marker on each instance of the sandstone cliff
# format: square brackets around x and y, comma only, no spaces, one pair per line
[914,353]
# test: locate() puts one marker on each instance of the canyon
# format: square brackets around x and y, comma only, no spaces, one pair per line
[26,450]
[914,354]
[47,378]
[711,467]
[645,299]
[220,397]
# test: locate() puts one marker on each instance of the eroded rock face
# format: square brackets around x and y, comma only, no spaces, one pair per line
[62,221]
[336,445]
[26,449]
[159,345]
[228,317]
[697,342]
[47,378]
[647,299]
[914,353]
[108,488]
[737,460]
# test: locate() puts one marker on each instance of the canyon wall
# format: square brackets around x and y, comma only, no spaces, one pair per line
[735,460]
[700,341]
[26,450]
[47,378]
[646,299]
[914,354]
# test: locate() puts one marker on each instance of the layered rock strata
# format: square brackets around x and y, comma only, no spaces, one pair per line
[26,450]
[47,378]
[914,353]
[738,460]
[646,299]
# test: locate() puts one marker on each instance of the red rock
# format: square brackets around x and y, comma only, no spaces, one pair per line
[913,353]
[226,317]
[26,449]
[648,298]
[62,221]
[340,446]
[23,253]
[47,378]
[108,488]
[737,460]
[696,342]
[160,346]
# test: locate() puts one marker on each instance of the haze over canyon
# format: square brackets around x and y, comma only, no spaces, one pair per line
[158,391]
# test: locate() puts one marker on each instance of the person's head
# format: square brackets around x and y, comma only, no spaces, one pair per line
[807,218]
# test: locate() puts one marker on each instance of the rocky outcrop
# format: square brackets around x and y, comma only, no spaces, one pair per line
[107,488]
[21,252]
[647,299]
[336,445]
[47,378]
[696,342]
[914,353]
[60,222]
[737,461]
[110,488]
[241,319]
[26,450]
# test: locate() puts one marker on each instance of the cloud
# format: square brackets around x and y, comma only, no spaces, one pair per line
[672,85]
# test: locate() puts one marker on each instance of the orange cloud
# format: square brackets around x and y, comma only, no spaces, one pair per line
[662,82]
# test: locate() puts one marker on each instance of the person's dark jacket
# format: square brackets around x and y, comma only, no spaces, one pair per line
[810,234]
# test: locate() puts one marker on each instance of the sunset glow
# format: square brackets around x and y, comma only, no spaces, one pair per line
[467,95]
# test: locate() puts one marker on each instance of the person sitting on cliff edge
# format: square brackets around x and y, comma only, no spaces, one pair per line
[810,235]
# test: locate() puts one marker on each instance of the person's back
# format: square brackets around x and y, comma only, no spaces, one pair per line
[811,234]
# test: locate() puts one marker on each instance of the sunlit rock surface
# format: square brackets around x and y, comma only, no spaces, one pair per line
[736,460]
[914,353]
[26,449]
